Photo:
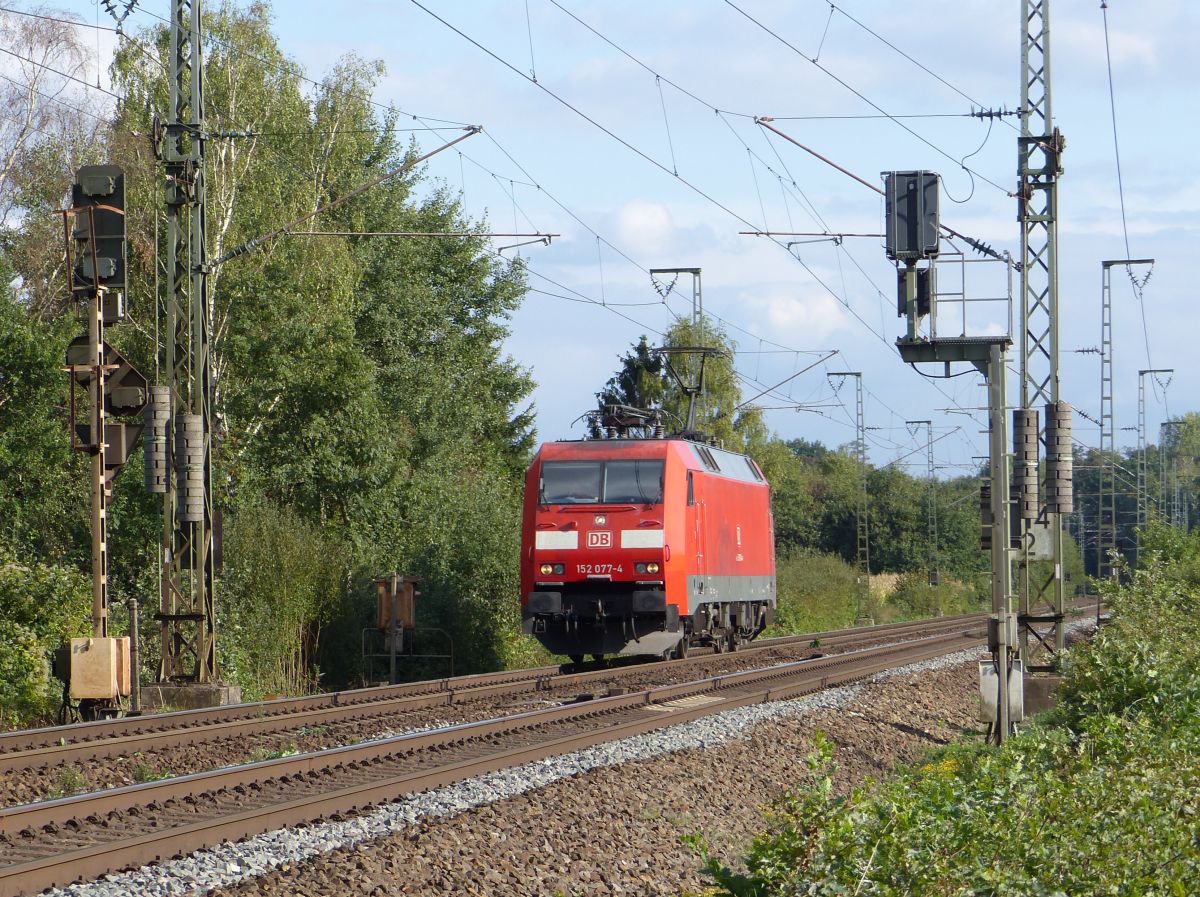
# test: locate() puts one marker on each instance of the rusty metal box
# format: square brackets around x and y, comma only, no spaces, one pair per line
[99,668]
[406,611]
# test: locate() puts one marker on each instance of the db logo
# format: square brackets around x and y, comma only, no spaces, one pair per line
[599,539]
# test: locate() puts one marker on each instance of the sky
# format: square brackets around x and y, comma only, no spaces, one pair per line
[627,129]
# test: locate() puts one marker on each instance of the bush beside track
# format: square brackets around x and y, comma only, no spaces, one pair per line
[1102,796]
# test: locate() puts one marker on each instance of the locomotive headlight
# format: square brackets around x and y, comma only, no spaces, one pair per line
[652,568]
[546,569]
[559,568]
[640,568]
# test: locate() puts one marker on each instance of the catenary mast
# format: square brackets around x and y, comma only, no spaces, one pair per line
[187,613]
[1040,150]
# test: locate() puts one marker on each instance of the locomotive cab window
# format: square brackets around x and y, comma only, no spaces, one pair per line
[594,482]
[571,482]
[633,482]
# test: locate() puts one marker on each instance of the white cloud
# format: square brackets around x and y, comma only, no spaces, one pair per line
[789,314]
[645,225]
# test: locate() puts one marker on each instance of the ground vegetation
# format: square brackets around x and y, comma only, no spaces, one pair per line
[1100,796]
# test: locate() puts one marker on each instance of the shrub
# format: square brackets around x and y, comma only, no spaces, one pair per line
[816,592]
[282,583]
[1101,798]
[41,606]
[914,597]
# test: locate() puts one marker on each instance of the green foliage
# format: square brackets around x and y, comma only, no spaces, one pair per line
[144,771]
[1102,798]
[282,583]
[41,606]
[647,380]
[793,501]
[69,780]
[465,546]
[43,485]
[815,592]
[718,413]
[24,675]
[639,383]
[1145,664]
[779,862]
[262,754]
[914,597]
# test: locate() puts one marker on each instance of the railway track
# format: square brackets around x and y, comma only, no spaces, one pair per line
[39,749]
[60,841]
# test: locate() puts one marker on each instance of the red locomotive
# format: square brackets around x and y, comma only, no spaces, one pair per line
[645,546]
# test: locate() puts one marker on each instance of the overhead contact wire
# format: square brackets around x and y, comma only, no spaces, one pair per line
[933,146]
[1112,105]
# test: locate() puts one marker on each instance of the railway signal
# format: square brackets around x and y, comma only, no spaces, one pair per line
[97,670]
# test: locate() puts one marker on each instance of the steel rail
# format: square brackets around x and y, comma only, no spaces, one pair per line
[600,720]
[39,748]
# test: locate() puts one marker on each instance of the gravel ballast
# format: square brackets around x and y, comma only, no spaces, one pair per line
[606,820]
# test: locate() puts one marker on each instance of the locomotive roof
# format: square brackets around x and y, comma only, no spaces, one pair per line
[699,455]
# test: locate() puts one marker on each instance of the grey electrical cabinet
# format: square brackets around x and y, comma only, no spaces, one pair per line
[911,214]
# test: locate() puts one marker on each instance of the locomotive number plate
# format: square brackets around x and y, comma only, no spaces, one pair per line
[586,569]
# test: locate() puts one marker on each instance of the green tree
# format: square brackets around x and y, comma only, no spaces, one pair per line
[793,501]
[899,530]
[639,383]
[43,486]
[41,605]
[367,419]
[362,385]
[720,414]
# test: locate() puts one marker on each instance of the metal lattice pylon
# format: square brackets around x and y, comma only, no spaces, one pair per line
[1106,526]
[1143,484]
[1040,149]
[187,614]
[862,531]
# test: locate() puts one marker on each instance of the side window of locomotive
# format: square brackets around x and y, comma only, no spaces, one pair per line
[691,490]
[633,482]
[571,482]
[707,459]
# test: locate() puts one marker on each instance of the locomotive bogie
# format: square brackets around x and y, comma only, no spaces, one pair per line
[645,547]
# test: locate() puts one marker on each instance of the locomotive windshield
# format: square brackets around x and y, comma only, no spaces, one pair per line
[596,482]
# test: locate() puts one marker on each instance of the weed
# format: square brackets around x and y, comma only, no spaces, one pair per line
[70,780]
[262,754]
[146,772]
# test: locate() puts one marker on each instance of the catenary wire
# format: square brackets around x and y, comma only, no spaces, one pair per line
[1112,102]
[637,151]
[933,146]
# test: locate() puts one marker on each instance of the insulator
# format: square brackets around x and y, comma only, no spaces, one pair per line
[189,468]
[1060,491]
[1025,463]
[157,418]
[985,515]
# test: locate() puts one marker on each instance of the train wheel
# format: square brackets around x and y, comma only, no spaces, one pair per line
[576,659]
[599,658]
[681,650]
[734,641]
[718,643]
